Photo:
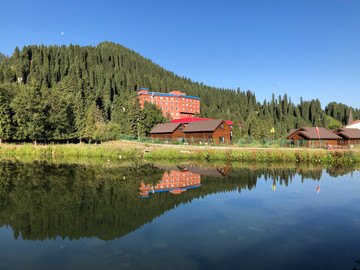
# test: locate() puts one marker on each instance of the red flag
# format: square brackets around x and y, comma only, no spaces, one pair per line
[317,130]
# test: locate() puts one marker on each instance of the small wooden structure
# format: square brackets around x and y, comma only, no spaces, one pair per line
[169,132]
[350,136]
[209,131]
[308,137]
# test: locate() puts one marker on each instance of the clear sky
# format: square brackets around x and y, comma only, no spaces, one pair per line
[308,48]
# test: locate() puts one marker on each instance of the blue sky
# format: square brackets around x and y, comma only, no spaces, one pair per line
[308,48]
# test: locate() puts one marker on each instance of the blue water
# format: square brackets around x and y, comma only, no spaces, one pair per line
[286,227]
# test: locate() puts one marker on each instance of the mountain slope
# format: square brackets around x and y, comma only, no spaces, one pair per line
[81,90]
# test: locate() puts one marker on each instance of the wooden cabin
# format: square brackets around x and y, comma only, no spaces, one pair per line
[308,137]
[209,131]
[169,132]
[350,136]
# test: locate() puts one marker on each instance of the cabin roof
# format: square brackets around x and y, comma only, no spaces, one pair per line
[310,133]
[203,126]
[165,128]
[348,133]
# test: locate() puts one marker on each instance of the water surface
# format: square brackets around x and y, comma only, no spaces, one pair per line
[116,216]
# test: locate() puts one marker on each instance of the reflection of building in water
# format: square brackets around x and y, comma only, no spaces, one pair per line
[175,182]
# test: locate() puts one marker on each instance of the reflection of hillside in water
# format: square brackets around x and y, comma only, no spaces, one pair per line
[41,201]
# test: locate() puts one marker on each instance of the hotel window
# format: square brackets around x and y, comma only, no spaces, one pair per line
[167,98]
[177,108]
[172,108]
[161,97]
[177,98]
[167,186]
[144,97]
[177,113]
[172,113]
[155,102]
[161,186]
[160,102]
[166,103]
[172,98]
[166,108]
[190,110]
[177,103]
[183,98]
[172,103]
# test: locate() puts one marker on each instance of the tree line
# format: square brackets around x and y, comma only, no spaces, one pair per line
[58,93]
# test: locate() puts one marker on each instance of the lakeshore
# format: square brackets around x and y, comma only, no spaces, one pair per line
[136,151]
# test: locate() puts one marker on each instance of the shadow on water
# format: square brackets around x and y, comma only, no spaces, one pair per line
[41,200]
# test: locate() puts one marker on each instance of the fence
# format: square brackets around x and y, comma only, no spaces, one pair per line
[241,143]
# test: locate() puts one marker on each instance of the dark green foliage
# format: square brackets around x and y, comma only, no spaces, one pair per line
[90,92]
[2,57]
[341,112]
[5,116]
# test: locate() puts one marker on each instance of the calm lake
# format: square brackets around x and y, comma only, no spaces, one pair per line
[141,216]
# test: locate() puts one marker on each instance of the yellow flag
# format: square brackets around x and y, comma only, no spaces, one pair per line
[272,130]
[273,187]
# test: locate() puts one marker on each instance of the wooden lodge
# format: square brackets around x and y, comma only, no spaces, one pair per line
[350,136]
[209,131]
[169,132]
[200,132]
[309,137]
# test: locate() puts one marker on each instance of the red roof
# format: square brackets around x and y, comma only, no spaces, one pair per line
[195,119]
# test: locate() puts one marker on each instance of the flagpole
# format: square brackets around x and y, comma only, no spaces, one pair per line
[318,132]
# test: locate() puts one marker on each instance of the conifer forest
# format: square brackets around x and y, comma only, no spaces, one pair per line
[74,93]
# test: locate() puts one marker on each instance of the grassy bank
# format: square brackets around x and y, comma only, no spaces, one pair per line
[318,156]
[126,151]
[109,151]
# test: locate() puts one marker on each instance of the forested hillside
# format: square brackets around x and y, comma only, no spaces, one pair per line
[70,93]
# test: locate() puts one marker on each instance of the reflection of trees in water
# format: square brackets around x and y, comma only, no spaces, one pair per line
[41,201]
[339,171]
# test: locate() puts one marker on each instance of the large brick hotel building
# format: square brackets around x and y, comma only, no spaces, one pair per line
[178,105]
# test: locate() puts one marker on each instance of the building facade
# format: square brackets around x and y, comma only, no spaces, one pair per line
[209,131]
[174,182]
[175,104]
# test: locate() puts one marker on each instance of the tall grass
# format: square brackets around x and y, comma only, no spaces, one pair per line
[128,152]
[69,150]
[324,157]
